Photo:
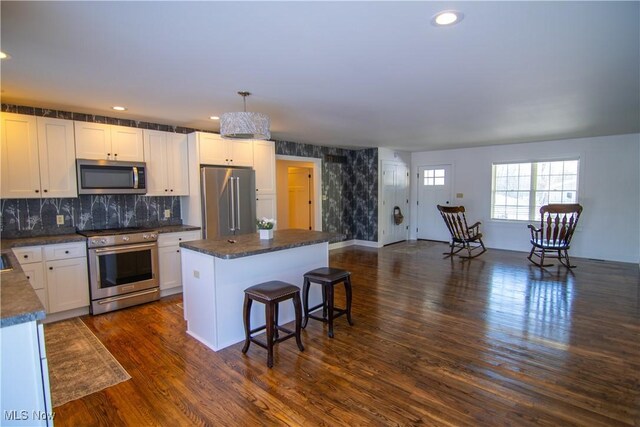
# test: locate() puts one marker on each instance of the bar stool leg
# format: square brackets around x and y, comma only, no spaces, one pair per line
[329,291]
[247,325]
[275,321]
[305,301]
[324,301]
[269,319]
[347,288]
[298,314]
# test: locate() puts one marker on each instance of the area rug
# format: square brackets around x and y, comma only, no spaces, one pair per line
[78,362]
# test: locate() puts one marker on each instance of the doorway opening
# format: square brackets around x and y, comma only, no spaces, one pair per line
[298,189]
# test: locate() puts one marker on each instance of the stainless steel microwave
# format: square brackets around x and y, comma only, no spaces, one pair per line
[111,177]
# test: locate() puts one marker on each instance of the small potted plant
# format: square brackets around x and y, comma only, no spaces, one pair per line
[265,227]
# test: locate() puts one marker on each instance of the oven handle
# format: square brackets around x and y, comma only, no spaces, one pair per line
[125,248]
[137,294]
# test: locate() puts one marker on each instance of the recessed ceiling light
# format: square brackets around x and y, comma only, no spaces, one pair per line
[4,55]
[447,17]
[214,118]
[119,108]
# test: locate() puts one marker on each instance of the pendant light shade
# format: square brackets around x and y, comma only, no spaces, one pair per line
[244,125]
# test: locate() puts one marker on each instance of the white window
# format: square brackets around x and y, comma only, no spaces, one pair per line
[434,177]
[520,189]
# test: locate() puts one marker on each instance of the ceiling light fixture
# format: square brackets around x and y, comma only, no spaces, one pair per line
[119,108]
[244,125]
[447,17]
[214,118]
[4,55]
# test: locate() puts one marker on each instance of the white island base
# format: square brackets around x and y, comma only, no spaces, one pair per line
[213,289]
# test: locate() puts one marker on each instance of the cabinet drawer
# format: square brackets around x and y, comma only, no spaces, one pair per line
[65,251]
[174,239]
[28,254]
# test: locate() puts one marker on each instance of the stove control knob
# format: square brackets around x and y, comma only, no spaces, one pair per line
[154,236]
[145,236]
[103,241]
[95,242]
[125,238]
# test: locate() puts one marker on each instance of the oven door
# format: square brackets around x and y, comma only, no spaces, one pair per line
[123,269]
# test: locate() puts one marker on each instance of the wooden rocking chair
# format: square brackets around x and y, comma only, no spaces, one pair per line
[462,236]
[557,224]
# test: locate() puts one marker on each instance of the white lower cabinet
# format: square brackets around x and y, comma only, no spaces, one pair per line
[58,274]
[26,397]
[170,263]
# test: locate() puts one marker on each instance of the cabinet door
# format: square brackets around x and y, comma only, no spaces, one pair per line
[56,146]
[155,155]
[35,276]
[266,206]
[127,144]
[67,284]
[20,166]
[213,149]
[241,152]
[178,164]
[264,163]
[93,141]
[170,267]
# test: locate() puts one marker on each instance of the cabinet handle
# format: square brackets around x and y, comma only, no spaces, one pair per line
[178,250]
[108,154]
[166,189]
[116,154]
[26,256]
[172,190]
[180,238]
[28,277]
[66,252]
[37,191]
[50,268]
[46,191]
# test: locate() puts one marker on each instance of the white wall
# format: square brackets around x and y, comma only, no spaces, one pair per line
[609,191]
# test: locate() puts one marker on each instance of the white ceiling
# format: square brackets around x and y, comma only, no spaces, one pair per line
[351,74]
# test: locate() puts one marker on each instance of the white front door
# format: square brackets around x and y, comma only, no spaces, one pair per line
[434,188]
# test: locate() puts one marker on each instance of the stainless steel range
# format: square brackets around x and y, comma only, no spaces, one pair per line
[123,267]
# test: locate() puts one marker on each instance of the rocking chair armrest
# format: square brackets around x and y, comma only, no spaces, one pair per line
[534,231]
[476,225]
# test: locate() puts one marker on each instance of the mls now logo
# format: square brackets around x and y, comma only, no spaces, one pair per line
[16,415]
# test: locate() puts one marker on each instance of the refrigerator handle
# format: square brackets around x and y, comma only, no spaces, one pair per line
[232,205]
[238,201]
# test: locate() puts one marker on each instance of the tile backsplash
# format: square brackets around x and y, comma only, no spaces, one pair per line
[28,217]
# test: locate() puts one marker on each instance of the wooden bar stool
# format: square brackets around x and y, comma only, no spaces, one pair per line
[327,277]
[271,294]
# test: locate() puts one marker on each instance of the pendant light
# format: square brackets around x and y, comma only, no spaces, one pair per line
[244,125]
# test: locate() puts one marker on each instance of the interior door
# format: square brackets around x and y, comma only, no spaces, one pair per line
[395,193]
[300,198]
[434,188]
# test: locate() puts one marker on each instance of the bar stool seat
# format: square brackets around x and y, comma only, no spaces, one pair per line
[271,294]
[327,277]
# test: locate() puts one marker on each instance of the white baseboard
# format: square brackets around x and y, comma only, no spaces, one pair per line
[354,242]
[170,291]
[76,312]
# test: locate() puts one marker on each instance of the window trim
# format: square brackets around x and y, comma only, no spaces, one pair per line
[576,157]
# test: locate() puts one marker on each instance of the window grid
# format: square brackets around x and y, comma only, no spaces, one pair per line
[434,177]
[520,189]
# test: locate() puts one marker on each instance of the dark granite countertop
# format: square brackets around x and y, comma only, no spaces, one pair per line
[73,237]
[177,228]
[41,240]
[18,301]
[250,244]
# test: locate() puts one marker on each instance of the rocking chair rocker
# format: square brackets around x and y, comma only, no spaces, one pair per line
[462,236]
[557,224]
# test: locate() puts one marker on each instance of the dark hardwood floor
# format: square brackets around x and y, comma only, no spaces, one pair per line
[492,341]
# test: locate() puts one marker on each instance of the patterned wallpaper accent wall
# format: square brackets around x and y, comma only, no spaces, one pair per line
[349,187]
[29,217]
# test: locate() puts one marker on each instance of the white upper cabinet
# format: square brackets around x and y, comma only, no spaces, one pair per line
[167,161]
[38,158]
[264,163]
[99,141]
[217,151]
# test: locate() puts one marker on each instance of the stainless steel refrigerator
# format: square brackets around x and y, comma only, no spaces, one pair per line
[228,201]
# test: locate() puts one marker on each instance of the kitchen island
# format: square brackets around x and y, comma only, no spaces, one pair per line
[215,274]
